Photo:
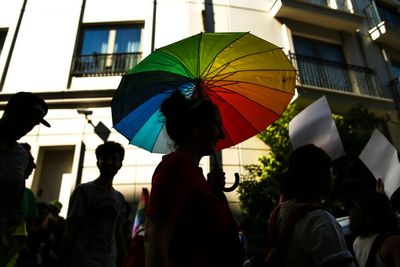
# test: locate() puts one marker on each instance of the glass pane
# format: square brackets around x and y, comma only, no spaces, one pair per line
[318,2]
[127,40]
[95,41]
[317,49]
[389,16]
[304,46]
[395,69]
[330,52]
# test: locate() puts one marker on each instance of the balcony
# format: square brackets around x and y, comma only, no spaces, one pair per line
[335,76]
[104,64]
[384,25]
[333,14]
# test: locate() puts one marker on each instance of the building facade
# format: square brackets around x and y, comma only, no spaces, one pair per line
[73,53]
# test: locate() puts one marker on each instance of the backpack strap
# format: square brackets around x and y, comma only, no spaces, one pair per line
[276,241]
[376,246]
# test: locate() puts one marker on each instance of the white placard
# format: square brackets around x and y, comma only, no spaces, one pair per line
[380,157]
[315,125]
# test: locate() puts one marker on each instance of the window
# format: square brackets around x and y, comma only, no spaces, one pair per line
[317,49]
[321,64]
[391,17]
[395,83]
[108,50]
[3,35]
[395,69]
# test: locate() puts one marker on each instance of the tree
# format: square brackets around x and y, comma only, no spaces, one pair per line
[258,189]
[350,174]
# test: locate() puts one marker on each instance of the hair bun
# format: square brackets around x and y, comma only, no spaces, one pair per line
[174,106]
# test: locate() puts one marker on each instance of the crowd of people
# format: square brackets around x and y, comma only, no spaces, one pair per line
[188,219]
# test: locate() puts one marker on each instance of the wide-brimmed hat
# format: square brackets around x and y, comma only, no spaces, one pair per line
[28,104]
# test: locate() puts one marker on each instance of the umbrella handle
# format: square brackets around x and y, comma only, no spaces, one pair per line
[235,184]
[237,177]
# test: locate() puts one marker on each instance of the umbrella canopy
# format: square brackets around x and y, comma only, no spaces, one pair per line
[249,79]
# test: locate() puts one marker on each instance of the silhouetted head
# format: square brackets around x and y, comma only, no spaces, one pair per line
[23,111]
[192,122]
[308,178]
[109,148]
[55,207]
[109,158]
[372,213]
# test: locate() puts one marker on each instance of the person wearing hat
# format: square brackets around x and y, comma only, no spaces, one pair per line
[23,111]
[52,231]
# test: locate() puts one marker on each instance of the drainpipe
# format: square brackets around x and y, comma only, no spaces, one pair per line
[209,26]
[3,77]
[153,33]
[208,16]
[77,40]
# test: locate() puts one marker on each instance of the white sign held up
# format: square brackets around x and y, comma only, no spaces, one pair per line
[380,157]
[315,125]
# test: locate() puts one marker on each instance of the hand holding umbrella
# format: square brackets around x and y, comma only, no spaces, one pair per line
[216,177]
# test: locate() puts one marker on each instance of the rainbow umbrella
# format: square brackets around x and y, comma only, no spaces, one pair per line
[249,79]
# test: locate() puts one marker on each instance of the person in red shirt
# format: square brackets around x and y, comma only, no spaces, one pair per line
[188,221]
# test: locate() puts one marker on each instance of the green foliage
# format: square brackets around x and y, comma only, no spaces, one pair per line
[258,195]
[355,128]
[258,189]
[276,137]
[350,174]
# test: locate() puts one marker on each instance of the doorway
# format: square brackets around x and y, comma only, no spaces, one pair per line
[53,164]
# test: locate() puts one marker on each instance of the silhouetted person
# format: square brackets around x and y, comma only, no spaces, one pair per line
[51,234]
[23,111]
[316,238]
[372,219]
[94,228]
[29,213]
[28,206]
[188,221]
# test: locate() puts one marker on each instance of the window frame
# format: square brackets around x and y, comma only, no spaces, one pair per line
[108,63]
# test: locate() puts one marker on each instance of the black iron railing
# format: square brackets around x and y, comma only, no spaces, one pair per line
[334,75]
[104,64]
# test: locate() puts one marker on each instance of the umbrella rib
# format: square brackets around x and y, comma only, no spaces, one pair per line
[228,74]
[198,55]
[212,61]
[224,66]
[240,114]
[230,91]
[229,82]
[177,61]
[153,145]
[173,83]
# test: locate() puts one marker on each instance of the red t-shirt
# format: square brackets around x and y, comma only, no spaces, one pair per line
[205,232]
